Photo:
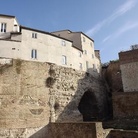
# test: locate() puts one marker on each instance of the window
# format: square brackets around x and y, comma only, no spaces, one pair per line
[94,67]
[80,54]
[63,43]
[34,53]
[90,43]
[87,64]
[83,39]
[92,56]
[34,35]
[85,52]
[64,60]
[80,66]
[3,27]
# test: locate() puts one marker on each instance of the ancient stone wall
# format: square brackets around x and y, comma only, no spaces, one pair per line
[129,67]
[125,105]
[130,76]
[122,134]
[76,130]
[32,94]
[128,56]
[113,76]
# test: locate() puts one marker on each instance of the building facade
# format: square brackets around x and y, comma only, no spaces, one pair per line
[75,50]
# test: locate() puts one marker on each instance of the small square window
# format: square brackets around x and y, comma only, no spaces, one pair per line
[94,67]
[92,56]
[85,52]
[34,35]
[64,60]
[63,43]
[80,54]
[87,65]
[90,43]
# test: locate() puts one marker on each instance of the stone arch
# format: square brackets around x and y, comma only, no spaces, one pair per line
[88,106]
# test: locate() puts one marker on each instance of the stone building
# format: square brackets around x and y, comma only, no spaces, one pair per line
[19,42]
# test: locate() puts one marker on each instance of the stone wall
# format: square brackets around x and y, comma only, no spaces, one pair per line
[32,94]
[129,67]
[125,105]
[122,134]
[130,76]
[128,56]
[112,75]
[76,130]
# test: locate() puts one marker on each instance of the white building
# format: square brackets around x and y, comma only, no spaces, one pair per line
[65,48]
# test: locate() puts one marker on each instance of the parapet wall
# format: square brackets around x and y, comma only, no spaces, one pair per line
[128,56]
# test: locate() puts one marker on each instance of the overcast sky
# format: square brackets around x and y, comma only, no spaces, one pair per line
[113,24]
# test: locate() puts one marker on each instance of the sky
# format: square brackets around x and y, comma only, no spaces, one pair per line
[112,24]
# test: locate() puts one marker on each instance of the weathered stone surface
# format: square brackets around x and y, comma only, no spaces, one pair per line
[125,105]
[122,134]
[27,102]
[76,130]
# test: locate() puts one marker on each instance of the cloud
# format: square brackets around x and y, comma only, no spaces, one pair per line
[128,5]
[123,29]
[128,26]
[106,38]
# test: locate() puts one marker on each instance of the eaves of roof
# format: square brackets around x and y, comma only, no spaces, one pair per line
[62,31]
[84,35]
[44,32]
[7,15]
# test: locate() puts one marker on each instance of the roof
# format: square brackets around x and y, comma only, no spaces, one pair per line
[44,32]
[84,35]
[4,15]
[74,32]
[9,16]
[62,31]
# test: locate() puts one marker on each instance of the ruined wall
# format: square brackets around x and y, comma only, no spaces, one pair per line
[32,94]
[122,134]
[112,74]
[130,76]
[129,67]
[76,130]
[23,95]
[125,105]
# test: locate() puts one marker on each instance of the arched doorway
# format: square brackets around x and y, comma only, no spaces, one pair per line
[88,106]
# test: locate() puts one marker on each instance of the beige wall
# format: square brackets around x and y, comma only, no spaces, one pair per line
[10,49]
[49,48]
[88,45]
[10,23]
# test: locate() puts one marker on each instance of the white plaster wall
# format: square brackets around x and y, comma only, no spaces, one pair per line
[10,49]
[9,22]
[49,49]
[88,57]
